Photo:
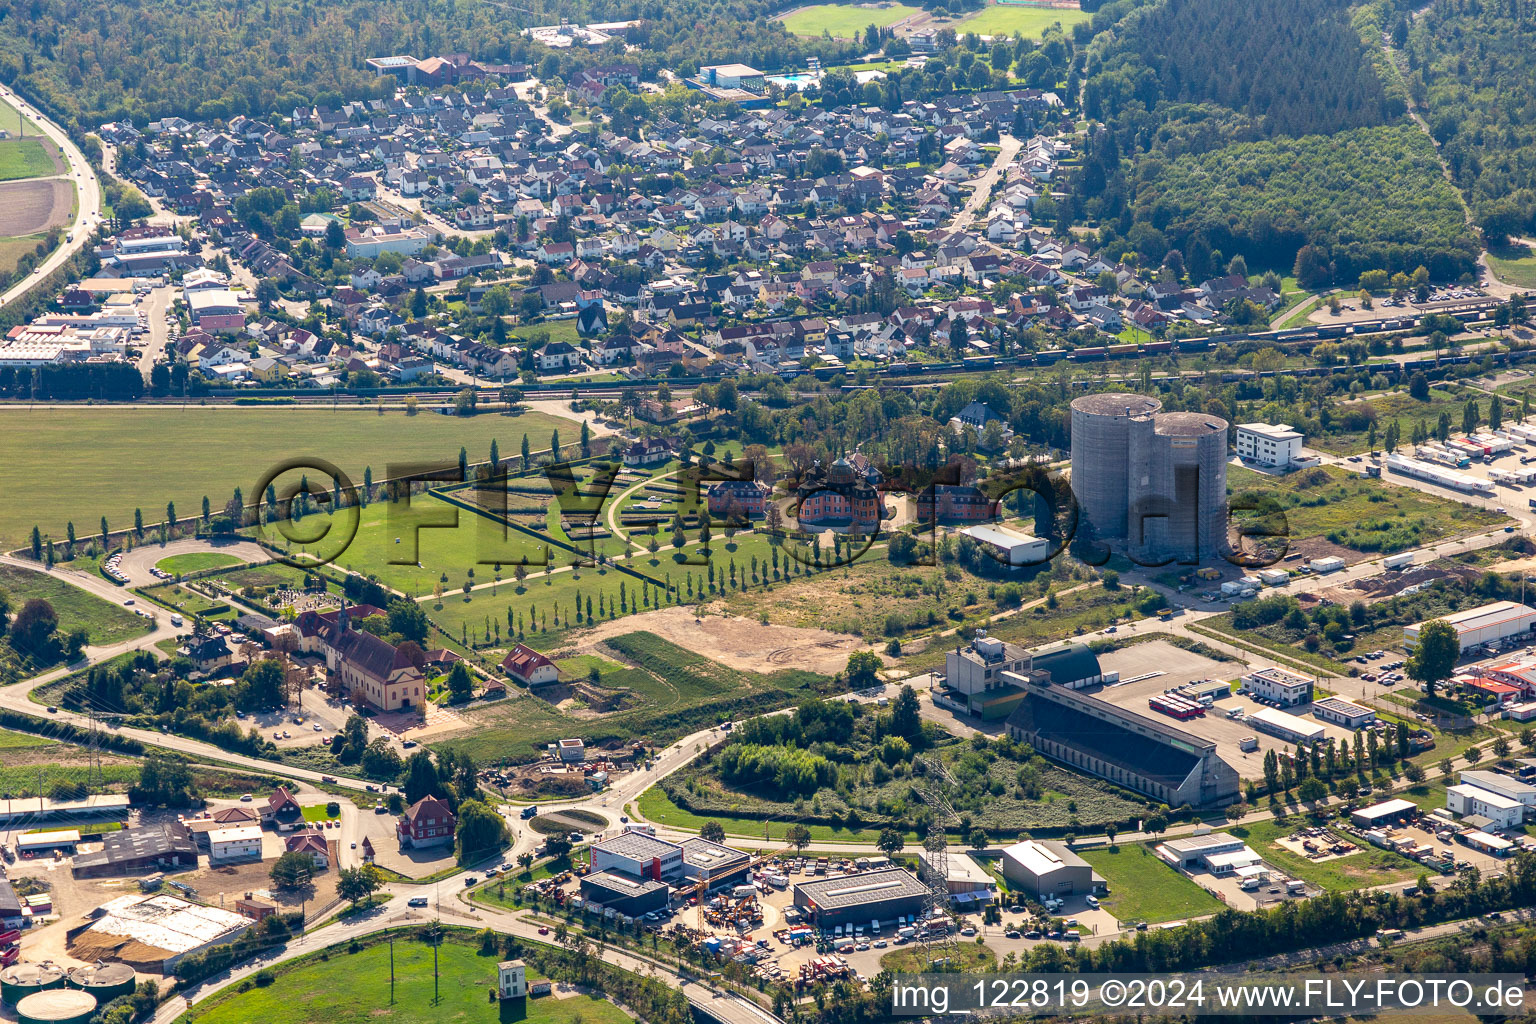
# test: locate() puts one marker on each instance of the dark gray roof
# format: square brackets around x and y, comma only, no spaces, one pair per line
[865,887]
[1068,663]
[136,844]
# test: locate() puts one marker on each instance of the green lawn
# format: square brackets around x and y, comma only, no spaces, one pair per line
[103,622]
[1514,265]
[195,561]
[1370,867]
[10,119]
[13,249]
[24,158]
[318,812]
[354,988]
[1143,888]
[557,330]
[97,461]
[845,21]
[1030,22]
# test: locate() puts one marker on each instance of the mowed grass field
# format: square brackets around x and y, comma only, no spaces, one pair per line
[1143,888]
[354,988]
[1513,264]
[845,21]
[24,158]
[1030,22]
[81,464]
[195,561]
[103,622]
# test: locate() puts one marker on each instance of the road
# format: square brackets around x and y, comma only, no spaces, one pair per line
[87,200]
[1008,149]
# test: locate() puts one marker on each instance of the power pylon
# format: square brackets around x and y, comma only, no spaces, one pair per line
[937,945]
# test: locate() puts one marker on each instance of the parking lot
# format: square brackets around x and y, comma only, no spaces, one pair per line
[1179,667]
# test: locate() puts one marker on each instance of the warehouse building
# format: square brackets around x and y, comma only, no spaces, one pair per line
[1155,759]
[1010,547]
[1493,809]
[1043,869]
[134,851]
[1217,853]
[1287,727]
[153,933]
[1343,712]
[884,896]
[632,896]
[964,876]
[1504,785]
[1286,689]
[1487,624]
[1385,813]
[713,864]
[639,855]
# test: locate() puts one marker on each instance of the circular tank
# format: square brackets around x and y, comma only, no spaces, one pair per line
[60,1006]
[104,981]
[21,980]
[1101,462]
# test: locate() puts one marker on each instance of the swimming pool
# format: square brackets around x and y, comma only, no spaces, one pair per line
[799,81]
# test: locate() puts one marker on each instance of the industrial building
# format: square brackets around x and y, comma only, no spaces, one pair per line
[1384,813]
[1491,809]
[1042,869]
[1287,727]
[1438,475]
[1269,444]
[974,676]
[1343,712]
[861,899]
[639,855]
[632,896]
[1010,547]
[1150,757]
[134,851]
[1486,624]
[713,864]
[1154,481]
[1071,665]
[1210,852]
[152,933]
[1286,689]
[228,845]
[963,876]
[35,809]
[1504,785]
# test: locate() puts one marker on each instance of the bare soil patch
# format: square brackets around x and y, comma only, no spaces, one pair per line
[738,643]
[27,207]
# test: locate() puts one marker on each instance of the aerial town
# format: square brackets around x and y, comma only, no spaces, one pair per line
[704,514]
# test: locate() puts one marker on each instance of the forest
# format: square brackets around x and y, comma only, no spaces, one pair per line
[1296,66]
[1375,197]
[1471,67]
[209,58]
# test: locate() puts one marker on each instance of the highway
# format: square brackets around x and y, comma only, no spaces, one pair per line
[87,199]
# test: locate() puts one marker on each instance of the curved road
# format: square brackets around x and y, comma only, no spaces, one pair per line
[87,199]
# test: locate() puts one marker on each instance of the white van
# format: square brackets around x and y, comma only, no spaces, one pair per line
[1092,901]
[175,620]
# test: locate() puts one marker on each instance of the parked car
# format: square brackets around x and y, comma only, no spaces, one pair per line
[416,901]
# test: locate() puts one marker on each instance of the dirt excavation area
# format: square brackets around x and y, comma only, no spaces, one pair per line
[739,643]
[29,207]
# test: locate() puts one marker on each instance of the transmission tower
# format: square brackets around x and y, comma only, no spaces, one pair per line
[935,874]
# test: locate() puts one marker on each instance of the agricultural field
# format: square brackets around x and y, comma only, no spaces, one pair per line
[845,21]
[32,206]
[98,464]
[354,988]
[1356,512]
[103,622]
[25,158]
[1143,888]
[1010,19]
